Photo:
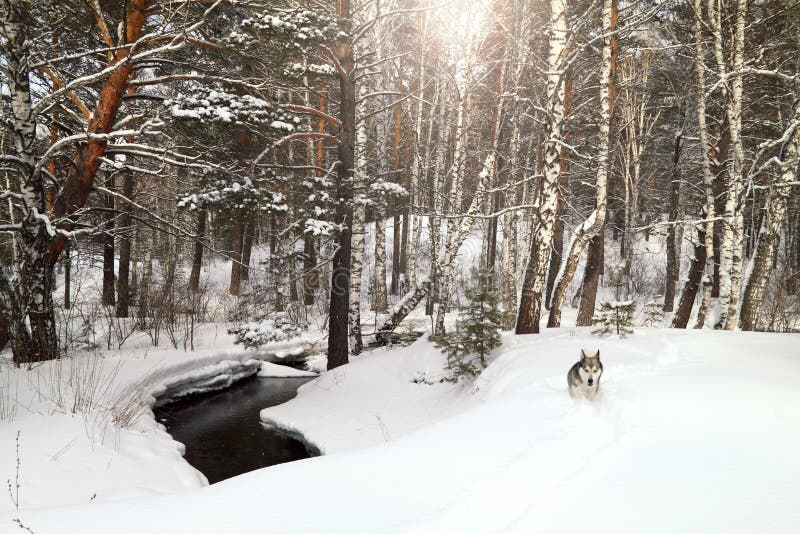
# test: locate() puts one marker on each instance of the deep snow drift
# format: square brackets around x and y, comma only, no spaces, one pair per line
[695,432]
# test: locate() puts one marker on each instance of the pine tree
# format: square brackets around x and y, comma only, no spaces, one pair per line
[477,332]
[615,316]
[653,312]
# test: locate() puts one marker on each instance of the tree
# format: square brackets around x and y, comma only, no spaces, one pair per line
[596,220]
[477,331]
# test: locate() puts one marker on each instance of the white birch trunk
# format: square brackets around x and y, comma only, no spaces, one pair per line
[731,245]
[533,289]
[708,178]
[438,191]
[416,165]
[456,178]
[380,263]
[359,215]
[595,222]
[26,296]
[770,235]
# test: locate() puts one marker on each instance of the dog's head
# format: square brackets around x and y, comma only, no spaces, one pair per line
[590,368]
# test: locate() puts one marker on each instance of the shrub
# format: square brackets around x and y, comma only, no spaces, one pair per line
[477,332]
[268,330]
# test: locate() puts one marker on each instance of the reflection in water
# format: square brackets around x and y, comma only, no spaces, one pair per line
[222,430]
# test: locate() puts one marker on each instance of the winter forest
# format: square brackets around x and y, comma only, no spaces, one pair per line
[420,213]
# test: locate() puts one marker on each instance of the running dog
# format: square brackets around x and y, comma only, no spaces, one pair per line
[583,378]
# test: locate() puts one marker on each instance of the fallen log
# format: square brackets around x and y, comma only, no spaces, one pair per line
[401,310]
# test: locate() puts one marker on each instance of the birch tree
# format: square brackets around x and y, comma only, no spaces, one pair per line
[596,220]
[731,88]
[532,299]
[770,234]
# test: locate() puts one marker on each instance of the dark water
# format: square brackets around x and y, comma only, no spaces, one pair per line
[222,430]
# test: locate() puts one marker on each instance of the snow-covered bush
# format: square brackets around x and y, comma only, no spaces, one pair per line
[259,333]
[615,316]
[477,332]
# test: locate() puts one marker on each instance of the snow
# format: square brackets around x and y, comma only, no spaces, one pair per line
[274,370]
[695,431]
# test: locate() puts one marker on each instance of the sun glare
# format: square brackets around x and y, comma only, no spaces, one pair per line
[461,23]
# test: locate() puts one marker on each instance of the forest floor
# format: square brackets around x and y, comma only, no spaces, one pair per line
[695,431]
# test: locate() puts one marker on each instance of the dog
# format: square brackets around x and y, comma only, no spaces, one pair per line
[583,378]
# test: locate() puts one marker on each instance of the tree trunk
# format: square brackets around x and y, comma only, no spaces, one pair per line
[596,221]
[395,287]
[591,279]
[340,277]
[80,180]
[731,245]
[534,285]
[108,248]
[359,230]
[695,277]
[380,264]
[770,235]
[197,258]
[712,266]
[67,277]
[673,246]
[247,249]
[310,270]
[26,295]
[558,228]
[123,281]
[236,255]
[443,268]
[401,310]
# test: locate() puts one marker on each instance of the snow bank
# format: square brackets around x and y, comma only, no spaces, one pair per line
[694,432]
[220,375]
[72,449]
[273,370]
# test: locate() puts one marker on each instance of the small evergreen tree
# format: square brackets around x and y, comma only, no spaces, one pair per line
[477,332]
[654,312]
[615,316]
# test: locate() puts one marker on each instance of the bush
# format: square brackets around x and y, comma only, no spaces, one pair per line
[477,332]
[257,334]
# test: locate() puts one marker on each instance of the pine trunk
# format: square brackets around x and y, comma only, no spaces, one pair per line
[338,349]
[591,279]
[197,257]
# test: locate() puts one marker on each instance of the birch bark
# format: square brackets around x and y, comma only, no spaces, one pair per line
[770,234]
[594,224]
[708,177]
[26,295]
[731,245]
[532,298]
[359,215]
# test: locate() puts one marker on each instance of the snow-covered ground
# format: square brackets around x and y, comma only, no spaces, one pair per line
[695,431]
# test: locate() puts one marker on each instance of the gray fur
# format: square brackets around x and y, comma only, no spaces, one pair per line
[588,369]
